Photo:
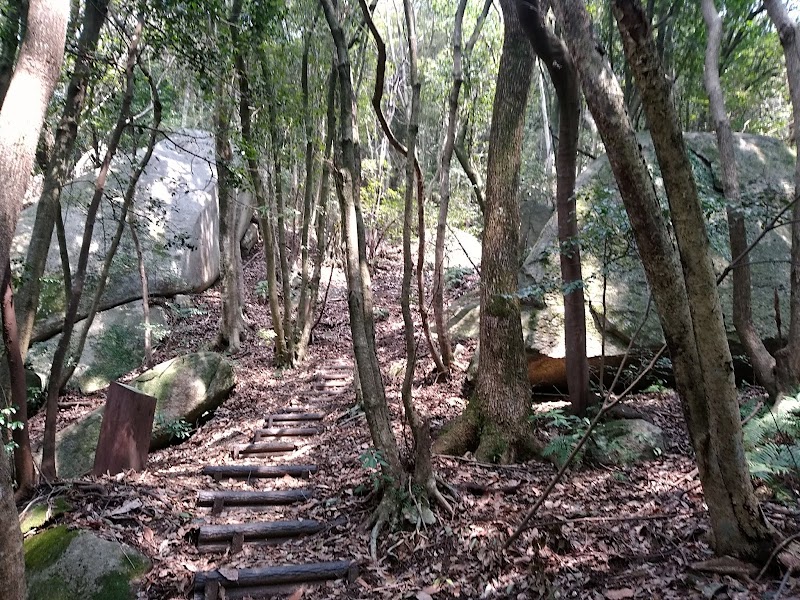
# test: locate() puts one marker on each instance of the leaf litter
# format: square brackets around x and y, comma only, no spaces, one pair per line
[604,533]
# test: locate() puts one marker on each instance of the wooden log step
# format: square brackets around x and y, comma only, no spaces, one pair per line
[297,416]
[260,434]
[257,471]
[263,448]
[241,579]
[269,530]
[218,499]
[212,592]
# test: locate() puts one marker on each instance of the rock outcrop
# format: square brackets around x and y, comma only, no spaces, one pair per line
[766,170]
[187,389]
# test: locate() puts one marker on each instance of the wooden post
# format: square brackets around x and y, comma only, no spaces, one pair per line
[125,432]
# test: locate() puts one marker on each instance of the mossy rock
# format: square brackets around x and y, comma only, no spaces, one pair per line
[41,512]
[626,441]
[67,564]
[186,389]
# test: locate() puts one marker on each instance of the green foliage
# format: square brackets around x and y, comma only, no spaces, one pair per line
[771,445]
[569,429]
[7,423]
[372,460]
[454,277]
[184,312]
[178,429]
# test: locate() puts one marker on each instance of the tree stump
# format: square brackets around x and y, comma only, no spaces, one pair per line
[125,432]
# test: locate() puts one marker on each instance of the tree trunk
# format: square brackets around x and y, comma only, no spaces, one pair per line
[445,159]
[307,316]
[551,50]
[787,359]
[58,171]
[23,458]
[359,299]
[59,357]
[496,417]
[21,118]
[762,361]
[709,398]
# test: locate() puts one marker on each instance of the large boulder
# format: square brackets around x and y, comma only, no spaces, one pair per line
[766,170]
[114,347]
[186,389]
[177,221]
[62,564]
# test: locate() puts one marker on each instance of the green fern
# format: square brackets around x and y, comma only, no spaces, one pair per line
[771,444]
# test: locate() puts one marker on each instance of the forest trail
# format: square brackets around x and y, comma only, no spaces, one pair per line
[283,435]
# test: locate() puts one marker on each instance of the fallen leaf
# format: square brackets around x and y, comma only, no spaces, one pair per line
[422,595]
[620,594]
[229,573]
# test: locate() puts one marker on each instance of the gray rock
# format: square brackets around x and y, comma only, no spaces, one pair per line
[249,239]
[766,179]
[625,441]
[114,347]
[62,564]
[186,388]
[177,216]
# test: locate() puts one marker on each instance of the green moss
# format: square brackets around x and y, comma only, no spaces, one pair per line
[502,305]
[52,588]
[43,549]
[37,515]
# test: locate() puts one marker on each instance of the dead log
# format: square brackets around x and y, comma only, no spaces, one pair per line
[257,471]
[297,416]
[280,575]
[284,431]
[258,531]
[220,498]
[263,448]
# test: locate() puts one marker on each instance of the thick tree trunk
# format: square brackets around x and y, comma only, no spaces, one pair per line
[709,398]
[359,299]
[232,323]
[62,349]
[762,361]
[21,118]
[496,417]
[787,359]
[58,171]
[551,50]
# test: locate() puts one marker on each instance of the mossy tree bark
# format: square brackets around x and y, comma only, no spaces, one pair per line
[682,281]
[496,418]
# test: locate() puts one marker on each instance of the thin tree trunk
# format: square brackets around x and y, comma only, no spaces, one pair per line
[111,251]
[79,280]
[787,359]
[58,171]
[359,299]
[469,169]
[377,95]
[306,318]
[762,361]
[148,343]
[445,159]
[556,57]
[305,301]
[21,117]
[23,458]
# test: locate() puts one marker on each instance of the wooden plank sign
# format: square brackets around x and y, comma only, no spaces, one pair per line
[125,432]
